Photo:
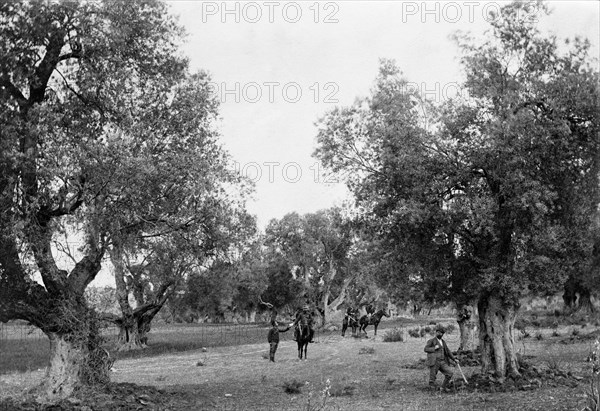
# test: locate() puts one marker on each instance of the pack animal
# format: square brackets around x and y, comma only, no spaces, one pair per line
[373,319]
[302,338]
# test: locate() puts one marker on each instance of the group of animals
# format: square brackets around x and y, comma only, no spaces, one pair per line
[303,333]
[351,319]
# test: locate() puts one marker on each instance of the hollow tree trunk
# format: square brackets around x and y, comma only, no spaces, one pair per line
[467,324]
[496,337]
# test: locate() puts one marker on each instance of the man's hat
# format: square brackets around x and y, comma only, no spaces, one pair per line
[440,328]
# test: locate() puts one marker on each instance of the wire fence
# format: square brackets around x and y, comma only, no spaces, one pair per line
[205,334]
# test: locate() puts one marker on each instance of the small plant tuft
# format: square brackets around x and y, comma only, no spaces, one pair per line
[554,364]
[394,335]
[339,390]
[367,350]
[414,332]
[292,387]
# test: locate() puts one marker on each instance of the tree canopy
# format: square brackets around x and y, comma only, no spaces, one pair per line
[490,190]
[106,131]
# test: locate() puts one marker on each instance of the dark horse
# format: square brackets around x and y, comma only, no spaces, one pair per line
[374,320]
[350,320]
[303,337]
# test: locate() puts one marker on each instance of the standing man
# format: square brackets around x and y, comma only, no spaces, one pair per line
[439,358]
[273,338]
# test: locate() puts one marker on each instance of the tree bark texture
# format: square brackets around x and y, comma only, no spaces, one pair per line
[467,324]
[496,336]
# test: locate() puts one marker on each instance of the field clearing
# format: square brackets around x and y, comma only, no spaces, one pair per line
[239,378]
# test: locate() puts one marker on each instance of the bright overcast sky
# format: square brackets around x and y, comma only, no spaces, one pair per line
[278,66]
[330,63]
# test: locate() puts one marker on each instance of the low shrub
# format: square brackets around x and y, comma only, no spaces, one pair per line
[393,335]
[340,390]
[292,387]
[555,364]
[367,350]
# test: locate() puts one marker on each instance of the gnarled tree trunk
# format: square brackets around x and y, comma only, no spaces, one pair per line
[129,334]
[75,359]
[330,308]
[496,336]
[134,324]
[133,330]
[65,370]
[467,324]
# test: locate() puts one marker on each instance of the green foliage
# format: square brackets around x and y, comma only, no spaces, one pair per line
[316,247]
[281,289]
[106,136]
[468,202]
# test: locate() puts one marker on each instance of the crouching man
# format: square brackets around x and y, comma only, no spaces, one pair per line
[439,358]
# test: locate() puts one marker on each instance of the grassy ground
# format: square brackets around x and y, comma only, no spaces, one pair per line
[22,350]
[363,374]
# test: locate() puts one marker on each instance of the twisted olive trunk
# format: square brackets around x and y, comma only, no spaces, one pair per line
[496,336]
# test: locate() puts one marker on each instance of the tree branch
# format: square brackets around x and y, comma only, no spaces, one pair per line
[13,91]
